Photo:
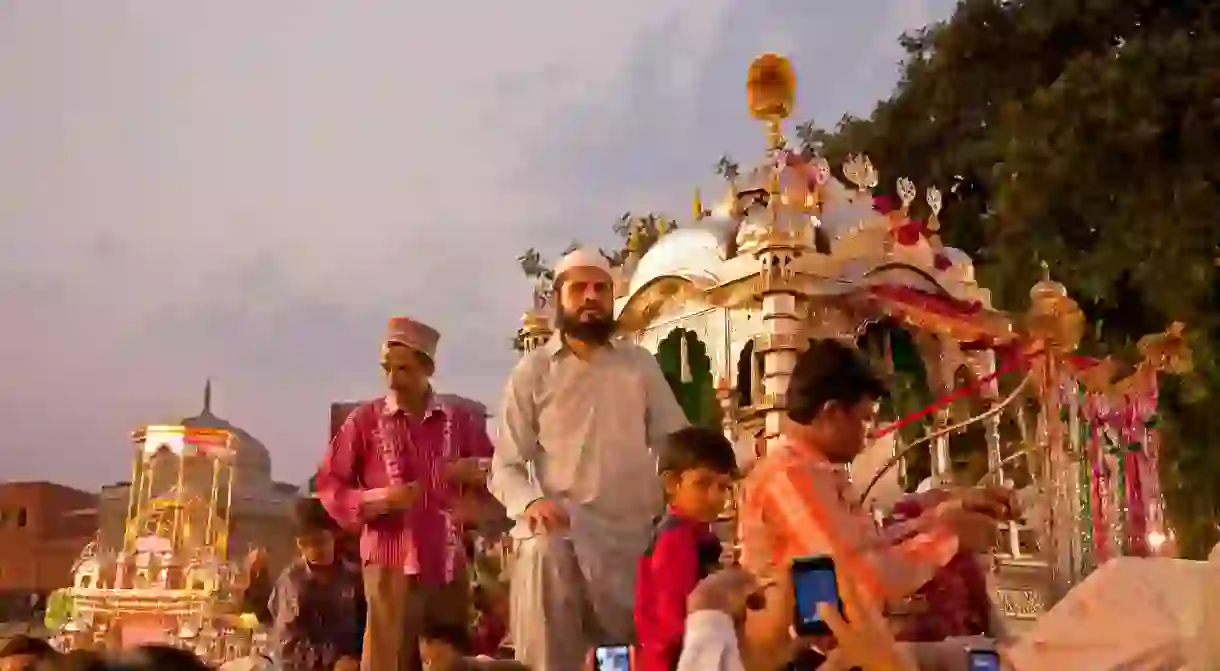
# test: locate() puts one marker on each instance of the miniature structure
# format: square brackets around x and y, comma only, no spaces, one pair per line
[792,253]
[171,581]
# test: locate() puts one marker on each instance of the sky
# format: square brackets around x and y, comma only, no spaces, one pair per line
[246,189]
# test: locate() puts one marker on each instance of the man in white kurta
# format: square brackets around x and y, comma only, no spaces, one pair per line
[574,467]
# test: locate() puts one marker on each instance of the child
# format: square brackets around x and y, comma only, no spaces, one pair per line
[318,602]
[444,647]
[697,470]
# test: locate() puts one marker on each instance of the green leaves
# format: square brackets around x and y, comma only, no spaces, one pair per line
[1086,134]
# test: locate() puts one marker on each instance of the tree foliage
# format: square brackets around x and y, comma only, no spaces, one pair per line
[1085,134]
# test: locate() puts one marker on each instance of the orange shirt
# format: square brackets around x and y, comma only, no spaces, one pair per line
[798,504]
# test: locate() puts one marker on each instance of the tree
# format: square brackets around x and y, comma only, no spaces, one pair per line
[1086,135]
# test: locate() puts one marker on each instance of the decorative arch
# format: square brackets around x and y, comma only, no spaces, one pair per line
[688,369]
[896,356]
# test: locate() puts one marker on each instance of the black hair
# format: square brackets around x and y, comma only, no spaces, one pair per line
[160,658]
[26,645]
[829,371]
[698,447]
[453,635]
[309,517]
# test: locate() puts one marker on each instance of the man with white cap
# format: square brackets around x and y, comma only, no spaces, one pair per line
[574,467]
[404,470]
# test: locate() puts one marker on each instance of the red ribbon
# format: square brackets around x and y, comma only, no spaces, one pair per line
[961,392]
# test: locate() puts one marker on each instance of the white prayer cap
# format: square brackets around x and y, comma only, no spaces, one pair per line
[585,257]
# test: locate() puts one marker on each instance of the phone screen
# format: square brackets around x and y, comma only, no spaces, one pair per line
[613,658]
[984,660]
[814,583]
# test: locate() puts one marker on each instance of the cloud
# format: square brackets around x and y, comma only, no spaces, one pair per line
[246,191]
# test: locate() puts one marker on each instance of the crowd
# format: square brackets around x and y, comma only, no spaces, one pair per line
[591,446]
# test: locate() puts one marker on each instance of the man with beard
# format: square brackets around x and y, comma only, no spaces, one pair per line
[574,467]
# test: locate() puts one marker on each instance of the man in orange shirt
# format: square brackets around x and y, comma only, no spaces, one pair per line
[798,499]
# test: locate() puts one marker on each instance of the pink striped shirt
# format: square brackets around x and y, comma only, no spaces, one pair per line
[381,445]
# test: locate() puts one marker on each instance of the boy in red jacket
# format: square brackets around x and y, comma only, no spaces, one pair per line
[697,469]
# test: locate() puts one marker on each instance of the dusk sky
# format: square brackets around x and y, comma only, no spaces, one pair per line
[247,190]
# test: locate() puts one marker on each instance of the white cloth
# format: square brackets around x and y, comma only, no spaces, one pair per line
[710,643]
[580,433]
[1131,614]
[585,257]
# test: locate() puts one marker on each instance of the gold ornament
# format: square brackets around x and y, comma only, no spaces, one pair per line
[1054,318]
[1168,352]
[771,93]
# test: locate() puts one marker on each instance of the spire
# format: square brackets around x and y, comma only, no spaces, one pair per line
[207,397]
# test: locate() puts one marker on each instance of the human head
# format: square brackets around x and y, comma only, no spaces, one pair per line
[314,531]
[23,653]
[697,469]
[408,356]
[584,290]
[832,399]
[442,645]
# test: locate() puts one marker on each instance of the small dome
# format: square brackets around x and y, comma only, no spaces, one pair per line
[692,253]
[252,455]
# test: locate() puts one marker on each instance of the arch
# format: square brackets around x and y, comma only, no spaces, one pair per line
[693,387]
[745,376]
[896,356]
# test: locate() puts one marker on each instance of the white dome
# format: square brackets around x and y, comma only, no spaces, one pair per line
[692,253]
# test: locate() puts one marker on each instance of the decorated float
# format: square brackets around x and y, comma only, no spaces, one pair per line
[795,251]
[170,582]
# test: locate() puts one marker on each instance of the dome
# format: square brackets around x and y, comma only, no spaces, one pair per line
[693,253]
[252,455]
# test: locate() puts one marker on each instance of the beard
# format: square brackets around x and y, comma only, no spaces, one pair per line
[596,329]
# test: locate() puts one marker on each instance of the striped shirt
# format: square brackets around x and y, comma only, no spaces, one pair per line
[799,504]
[379,446]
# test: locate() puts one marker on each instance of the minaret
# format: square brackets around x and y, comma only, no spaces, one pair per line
[207,399]
[772,87]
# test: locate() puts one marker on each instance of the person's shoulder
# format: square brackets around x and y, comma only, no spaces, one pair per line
[635,353]
[533,363]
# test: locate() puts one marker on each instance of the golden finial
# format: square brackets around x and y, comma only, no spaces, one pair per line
[771,93]
[697,206]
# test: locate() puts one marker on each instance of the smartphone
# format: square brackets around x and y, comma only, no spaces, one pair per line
[613,658]
[814,582]
[984,660]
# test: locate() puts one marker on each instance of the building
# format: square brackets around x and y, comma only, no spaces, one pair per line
[261,506]
[44,527]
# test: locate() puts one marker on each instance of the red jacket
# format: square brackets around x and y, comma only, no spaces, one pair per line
[682,553]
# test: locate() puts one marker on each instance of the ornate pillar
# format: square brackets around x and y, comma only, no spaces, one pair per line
[781,341]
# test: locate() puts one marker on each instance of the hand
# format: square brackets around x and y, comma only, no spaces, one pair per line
[731,591]
[347,664]
[976,532]
[996,501]
[467,471]
[402,497]
[864,640]
[544,515]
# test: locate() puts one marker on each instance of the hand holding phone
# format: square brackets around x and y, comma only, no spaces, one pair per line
[612,658]
[984,660]
[814,582]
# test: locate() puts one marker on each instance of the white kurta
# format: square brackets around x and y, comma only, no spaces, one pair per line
[581,433]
